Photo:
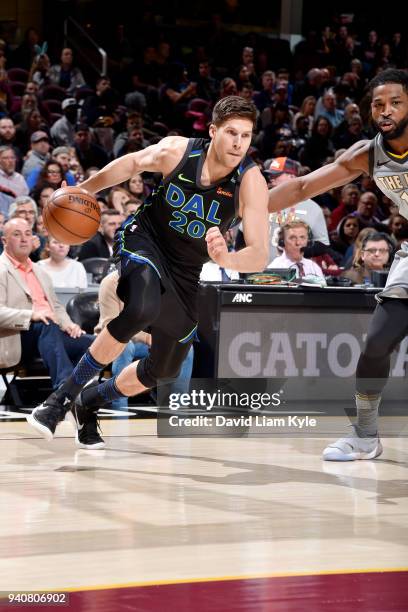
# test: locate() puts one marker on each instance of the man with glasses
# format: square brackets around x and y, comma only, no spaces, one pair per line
[375,255]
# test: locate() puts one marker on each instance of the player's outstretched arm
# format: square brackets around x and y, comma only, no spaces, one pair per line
[345,169]
[162,157]
[254,213]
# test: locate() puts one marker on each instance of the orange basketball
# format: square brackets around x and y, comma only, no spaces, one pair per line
[72,215]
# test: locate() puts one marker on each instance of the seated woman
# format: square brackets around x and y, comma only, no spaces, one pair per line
[64,271]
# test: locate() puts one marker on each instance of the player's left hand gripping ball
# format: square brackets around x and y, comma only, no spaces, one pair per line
[217,247]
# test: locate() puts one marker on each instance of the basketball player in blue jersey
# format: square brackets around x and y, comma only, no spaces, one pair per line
[205,187]
[385,158]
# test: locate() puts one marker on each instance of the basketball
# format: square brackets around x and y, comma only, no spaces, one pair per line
[72,215]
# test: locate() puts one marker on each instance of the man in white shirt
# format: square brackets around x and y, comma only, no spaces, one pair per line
[294,239]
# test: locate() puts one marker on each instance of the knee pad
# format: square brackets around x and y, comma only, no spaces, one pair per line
[149,374]
[128,323]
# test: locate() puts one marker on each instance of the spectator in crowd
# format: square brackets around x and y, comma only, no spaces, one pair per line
[345,236]
[366,208]
[265,97]
[9,178]
[307,110]
[39,153]
[63,130]
[64,271]
[8,137]
[350,195]
[25,207]
[65,74]
[175,95]
[326,107]
[350,111]
[277,171]
[101,103]
[353,134]
[375,254]
[33,122]
[370,52]
[101,245]
[61,155]
[117,198]
[39,226]
[88,153]
[135,142]
[137,348]
[228,87]
[319,146]
[42,195]
[32,321]
[40,70]
[207,85]
[294,237]
[51,175]
[134,121]
[25,53]
[396,223]
[311,86]
[131,206]
[246,91]
[2,223]
[137,188]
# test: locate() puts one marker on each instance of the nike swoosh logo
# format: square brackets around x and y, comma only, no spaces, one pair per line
[183,178]
[381,163]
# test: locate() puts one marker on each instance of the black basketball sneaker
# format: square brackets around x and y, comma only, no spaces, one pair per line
[86,422]
[47,415]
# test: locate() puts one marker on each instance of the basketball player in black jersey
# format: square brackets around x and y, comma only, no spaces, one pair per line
[205,187]
[386,159]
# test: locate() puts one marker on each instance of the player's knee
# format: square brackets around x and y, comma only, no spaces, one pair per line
[149,373]
[131,321]
[376,347]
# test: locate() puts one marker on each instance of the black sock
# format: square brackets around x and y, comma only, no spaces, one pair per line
[97,395]
[84,371]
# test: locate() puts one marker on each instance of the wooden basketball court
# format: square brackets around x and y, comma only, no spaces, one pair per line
[200,524]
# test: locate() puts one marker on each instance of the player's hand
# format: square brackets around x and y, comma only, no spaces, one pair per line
[217,247]
[74,331]
[64,184]
[40,315]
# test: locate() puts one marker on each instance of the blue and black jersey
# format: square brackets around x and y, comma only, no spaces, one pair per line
[181,210]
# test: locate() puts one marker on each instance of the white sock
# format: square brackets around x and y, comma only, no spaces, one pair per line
[367,413]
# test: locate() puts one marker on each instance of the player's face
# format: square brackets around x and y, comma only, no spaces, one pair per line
[389,109]
[231,140]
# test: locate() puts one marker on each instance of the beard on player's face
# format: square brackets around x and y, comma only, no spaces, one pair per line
[398,130]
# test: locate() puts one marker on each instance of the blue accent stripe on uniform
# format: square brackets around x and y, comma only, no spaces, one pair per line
[195,153]
[139,259]
[189,336]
